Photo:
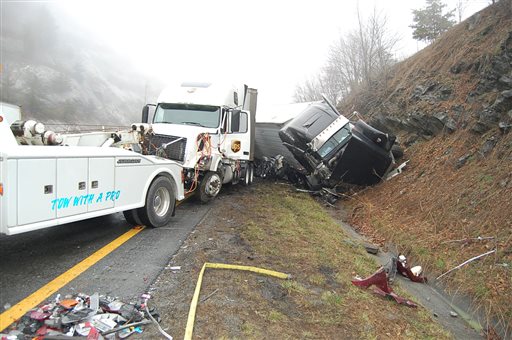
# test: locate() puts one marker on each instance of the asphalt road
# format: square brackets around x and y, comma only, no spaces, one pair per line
[31,260]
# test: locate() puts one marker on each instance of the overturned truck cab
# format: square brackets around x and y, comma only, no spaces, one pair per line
[333,150]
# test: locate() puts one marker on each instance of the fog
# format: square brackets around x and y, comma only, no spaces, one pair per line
[71,59]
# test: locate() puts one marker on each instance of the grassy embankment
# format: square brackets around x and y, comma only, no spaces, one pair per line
[287,231]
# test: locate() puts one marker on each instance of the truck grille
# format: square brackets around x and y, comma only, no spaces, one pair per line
[174,151]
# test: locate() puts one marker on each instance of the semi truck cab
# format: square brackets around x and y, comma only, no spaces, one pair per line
[209,129]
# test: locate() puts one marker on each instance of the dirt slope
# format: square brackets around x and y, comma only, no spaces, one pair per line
[451,105]
[274,227]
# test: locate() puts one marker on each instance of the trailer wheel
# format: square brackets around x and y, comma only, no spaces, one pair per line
[160,203]
[209,187]
[132,217]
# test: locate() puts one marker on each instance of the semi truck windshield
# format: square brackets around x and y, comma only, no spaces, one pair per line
[188,114]
[338,138]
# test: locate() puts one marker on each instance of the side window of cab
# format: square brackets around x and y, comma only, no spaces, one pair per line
[238,121]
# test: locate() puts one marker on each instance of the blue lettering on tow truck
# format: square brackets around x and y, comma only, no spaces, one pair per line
[75,201]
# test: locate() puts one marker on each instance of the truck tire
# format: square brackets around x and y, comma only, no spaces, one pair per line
[132,217]
[160,203]
[209,187]
[249,174]
[397,151]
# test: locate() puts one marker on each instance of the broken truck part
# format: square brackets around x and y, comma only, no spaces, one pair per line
[380,280]
[329,148]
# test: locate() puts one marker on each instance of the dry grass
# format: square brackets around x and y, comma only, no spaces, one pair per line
[433,202]
[472,48]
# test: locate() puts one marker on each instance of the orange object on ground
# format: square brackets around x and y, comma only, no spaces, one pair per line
[68,303]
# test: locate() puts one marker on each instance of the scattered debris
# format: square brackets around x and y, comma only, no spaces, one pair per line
[466,262]
[209,295]
[94,317]
[380,280]
[371,249]
[397,171]
[387,273]
[404,270]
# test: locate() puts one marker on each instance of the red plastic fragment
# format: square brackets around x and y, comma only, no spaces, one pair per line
[406,271]
[93,334]
[42,330]
[39,316]
[380,280]
[400,300]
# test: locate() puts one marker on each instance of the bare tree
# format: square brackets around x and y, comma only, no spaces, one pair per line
[354,60]
[308,91]
[460,7]
[312,89]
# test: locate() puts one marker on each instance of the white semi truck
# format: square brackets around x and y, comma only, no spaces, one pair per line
[209,129]
[43,186]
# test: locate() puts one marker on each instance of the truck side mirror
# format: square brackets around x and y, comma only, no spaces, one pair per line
[145,113]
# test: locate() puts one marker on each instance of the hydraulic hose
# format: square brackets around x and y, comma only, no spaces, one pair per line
[195,298]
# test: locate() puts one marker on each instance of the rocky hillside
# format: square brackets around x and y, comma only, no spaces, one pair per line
[463,80]
[451,106]
[59,74]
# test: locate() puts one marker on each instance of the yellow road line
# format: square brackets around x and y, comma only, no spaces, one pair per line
[22,307]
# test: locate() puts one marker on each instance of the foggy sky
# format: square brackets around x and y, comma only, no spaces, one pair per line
[270,45]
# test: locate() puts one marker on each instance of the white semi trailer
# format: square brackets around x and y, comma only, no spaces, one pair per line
[209,129]
[43,186]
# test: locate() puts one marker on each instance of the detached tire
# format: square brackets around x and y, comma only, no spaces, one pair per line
[209,187]
[160,203]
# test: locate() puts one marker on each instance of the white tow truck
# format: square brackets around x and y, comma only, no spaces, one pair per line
[43,186]
[209,129]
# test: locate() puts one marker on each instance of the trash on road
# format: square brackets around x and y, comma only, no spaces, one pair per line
[80,315]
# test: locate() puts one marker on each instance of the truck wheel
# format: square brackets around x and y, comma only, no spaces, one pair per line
[249,174]
[160,202]
[397,151]
[132,217]
[209,187]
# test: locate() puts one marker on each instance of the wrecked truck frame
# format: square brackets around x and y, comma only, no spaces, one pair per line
[332,149]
